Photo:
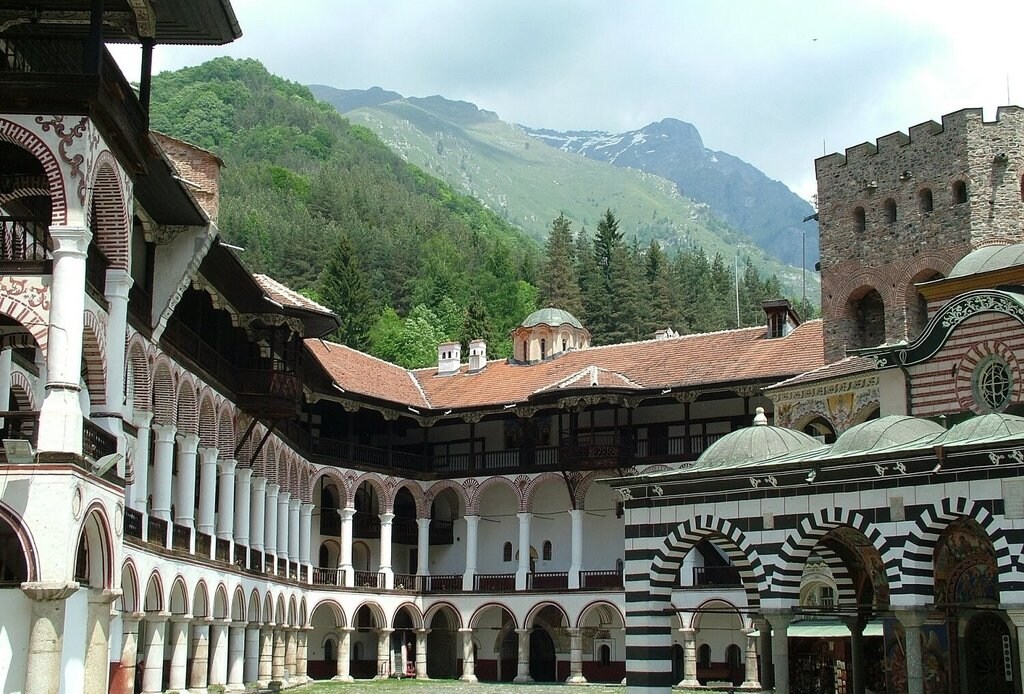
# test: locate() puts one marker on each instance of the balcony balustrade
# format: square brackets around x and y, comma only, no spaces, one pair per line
[181,537]
[404,531]
[442,532]
[591,580]
[223,550]
[408,582]
[369,579]
[494,583]
[365,525]
[25,245]
[204,544]
[133,523]
[445,583]
[326,577]
[330,522]
[547,580]
[156,531]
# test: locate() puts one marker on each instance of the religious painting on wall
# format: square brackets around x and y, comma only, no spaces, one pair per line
[934,658]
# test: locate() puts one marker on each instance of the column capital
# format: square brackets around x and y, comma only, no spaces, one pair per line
[70,240]
[208,454]
[238,624]
[466,630]
[273,489]
[141,418]
[911,618]
[228,466]
[422,631]
[347,630]
[779,619]
[295,503]
[283,497]
[119,283]
[181,618]
[574,631]
[188,442]
[105,596]
[157,617]
[387,518]
[1015,613]
[346,513]
[164,432]
[524,515]
[306,509]
[42,591]
[385,631]
[259,483]
[523,630]
[133,616]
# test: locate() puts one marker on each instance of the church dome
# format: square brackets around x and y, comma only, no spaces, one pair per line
[550,316]
[755,444]
[992,425]
[988,258]
[894,430]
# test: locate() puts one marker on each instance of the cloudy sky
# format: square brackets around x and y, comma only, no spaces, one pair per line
[775,83]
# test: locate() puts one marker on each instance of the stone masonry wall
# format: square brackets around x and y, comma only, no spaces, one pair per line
[890,256]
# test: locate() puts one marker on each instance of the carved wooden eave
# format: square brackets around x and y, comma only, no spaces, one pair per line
[125,22]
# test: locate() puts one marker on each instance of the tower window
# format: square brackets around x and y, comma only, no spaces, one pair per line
[704,656]
[959,192]
[993,383]
[543,348]
[890,211]
[546,550]
[925,201]
[506,553]
[859,219]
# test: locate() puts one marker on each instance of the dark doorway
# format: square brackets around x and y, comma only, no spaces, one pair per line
[542,656]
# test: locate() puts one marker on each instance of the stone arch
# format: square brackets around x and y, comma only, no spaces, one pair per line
[220,602]
[726,537]
[113,223]
[536,483]
[918,567]
[11,518]
[794,553]
[140,395]
[226,430]
[730,609]
[334,607]
[188,407]
[177,598]
[303,613]
[536,609]
[478,612]
[208,426]
[238,611]
[414,613]
[375,610]
[280,615]
[418,496]
[473,507]
[129,587]
[268,609]
[254,606]
[428,615]
[23,391]
[154,597]
[22,137]
[590,607]
[331,476]
[837,301]
[293,611]
[165,393]
[94,357]
[305,483]
[95,549]
[30,315]
[371,479]
[441,485]
[201,600]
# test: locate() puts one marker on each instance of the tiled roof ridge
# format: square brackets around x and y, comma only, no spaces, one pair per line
[419,388]
[583,372]
[297,297]
[823,367]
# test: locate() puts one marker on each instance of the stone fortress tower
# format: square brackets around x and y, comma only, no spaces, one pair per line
[904,211]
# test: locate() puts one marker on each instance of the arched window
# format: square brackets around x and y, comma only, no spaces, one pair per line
[890,211]
[543,348]
[704,656]
[959,192]
[13,563]
[868,313]
[733,656]
[604,655]
[506,553]
[925,201]
[859,219]
[324,558]
[82,561]
[546,550]
[526,351]
[330,655]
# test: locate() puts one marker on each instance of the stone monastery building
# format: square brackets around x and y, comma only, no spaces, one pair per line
[199,492]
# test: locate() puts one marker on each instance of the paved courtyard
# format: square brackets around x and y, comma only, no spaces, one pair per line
[449,687]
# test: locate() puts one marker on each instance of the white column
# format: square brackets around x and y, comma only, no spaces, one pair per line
[207,490]
[227,522]
[344,655]
[163,466]
[689,658]
[385,549]
[185,502]
[293,528]
[270,520]
[5,379]
[282,524]
[257,513]
[422,546]
[60,419]
[251,668]
[912,621]
[179,652]
[153,661]
[472,523]
[97,639]
[384,653]
[241,494]
[219,653]
[750,680]
[277,657]
[421,654]
[468,657]
[305,530]
[118,284]
[199,676]
[125,681]
[345,560]
[576,561]
[524,550]
[140,489]
[576,657]
[291,654]
[236,656]
[523,662]
[780,651]
[266,664]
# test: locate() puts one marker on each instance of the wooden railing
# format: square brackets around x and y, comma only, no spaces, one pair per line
[409,582]
[445,583]
[442,532]
[223,550]
[24,240]
[369,579]
[19,425]
[601,579]
[365,525]
[326,577]
[255,560]
[156,531]
[96,441]
[330,522]
[494,583]
[204,544]
[404,531]
[547,580]
[132,523]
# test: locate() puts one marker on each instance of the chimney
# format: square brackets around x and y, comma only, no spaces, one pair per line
[665,334]
[782,319]
[449,357]
[477,355]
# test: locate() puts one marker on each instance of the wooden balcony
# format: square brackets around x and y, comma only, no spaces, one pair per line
[25,246]
[96,441]
[601,580]
[494,583]
[547,580]
[369,579]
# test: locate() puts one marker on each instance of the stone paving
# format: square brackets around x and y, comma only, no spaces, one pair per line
[451,687]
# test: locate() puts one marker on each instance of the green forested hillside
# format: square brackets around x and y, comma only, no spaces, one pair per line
[407,262]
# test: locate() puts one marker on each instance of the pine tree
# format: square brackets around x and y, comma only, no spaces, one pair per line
[343,289]
[559,284]
[662,311]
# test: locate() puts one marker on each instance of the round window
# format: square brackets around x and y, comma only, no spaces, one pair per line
[993,383]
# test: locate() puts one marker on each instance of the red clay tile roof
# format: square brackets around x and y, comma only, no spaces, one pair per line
[287,296]
[682,362]
[843,367]
[591,377]
[357,372]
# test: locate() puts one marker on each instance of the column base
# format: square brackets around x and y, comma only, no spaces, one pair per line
[522,679]
[230,688]
[576,679]
[751,687]
[690,684]
[468,678]
[343,678]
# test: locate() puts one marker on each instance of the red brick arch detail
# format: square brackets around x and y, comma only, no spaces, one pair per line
[241,423]
[585,483]
[23,193]
[306,483]
[165,393]
[422,506]
[113,222]
[28,316]
[473,507]
[536,482]
[23,392]
[439,486]
[208,426]
[22,137]
[965,373]
[333,476]
[94,350]
[374,481]
[879,279]
[138,362]
[226,430]
[928,262]
[188,408]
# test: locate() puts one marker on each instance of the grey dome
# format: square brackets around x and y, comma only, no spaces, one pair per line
[755,444]
[550,316]
[894,430]
[988,258]
[993,425]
